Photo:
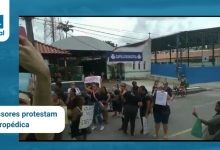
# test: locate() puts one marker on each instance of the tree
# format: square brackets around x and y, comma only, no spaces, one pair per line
[111,43]
[65,27]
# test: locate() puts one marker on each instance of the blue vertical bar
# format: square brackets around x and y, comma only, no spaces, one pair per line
[1,22]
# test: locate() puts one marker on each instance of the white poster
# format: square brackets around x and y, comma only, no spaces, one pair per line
[161,98]
[87,117]
[145,125]
[93,79]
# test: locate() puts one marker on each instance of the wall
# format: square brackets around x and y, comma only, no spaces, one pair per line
[166,70]
[203,74]
[193,74]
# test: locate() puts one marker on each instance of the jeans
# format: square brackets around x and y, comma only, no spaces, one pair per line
[97,117]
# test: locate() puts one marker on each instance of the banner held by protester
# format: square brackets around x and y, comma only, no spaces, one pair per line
[93,79]
[161,98]
[87,117]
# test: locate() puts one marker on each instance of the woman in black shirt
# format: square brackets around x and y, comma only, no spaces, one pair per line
[146,104]
[131,103]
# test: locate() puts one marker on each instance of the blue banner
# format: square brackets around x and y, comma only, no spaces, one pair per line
[126,56]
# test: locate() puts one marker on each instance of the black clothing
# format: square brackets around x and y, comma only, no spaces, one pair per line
[75,131]
[169,91]
[161,113]
[130,110]
[144,99]
[131,99]
[143,109]
[130,113]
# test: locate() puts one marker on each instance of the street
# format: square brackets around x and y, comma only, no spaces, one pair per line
[180,122]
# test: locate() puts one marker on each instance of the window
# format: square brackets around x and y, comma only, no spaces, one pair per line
[134,65]
[139,65]
[144,65]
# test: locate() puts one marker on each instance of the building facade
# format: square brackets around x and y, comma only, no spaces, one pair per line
[131,69]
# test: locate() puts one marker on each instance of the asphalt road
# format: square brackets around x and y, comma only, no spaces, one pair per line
[180,123]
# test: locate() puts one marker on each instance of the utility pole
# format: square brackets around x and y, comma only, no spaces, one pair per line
[177,55]
[187,45]
[29,27]
[52,29]
[149,34]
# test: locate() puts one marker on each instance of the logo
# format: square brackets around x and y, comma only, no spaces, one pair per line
[4,20]
[112,56]
[139,56]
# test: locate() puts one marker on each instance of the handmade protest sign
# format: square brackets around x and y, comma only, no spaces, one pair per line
[87,117]
[161,98]
[93,79]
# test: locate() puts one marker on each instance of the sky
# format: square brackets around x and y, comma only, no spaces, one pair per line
[121,30]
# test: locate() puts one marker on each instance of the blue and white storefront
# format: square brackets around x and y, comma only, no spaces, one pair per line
[132,61]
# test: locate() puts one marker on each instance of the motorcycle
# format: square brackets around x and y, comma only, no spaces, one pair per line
[180,91]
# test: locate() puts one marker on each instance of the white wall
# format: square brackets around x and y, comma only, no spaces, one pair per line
[136,73]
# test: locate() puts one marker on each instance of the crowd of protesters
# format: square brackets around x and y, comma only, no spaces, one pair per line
[125,103]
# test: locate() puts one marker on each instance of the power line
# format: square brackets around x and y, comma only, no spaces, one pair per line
[108,33]
[98,31]
[95,34]
[113,29]
[77,39]
[107,28]
[98,34]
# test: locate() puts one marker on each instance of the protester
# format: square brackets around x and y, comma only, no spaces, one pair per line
[79,134]
[59,91]
[168,89]
[98,107]
[131,103]
[122,90]
[78,92]
[105,98]
[31,60]
[161,113]
[212,131]
[116,102]
[57,77]
[145,109]
[134,84]
[155,86]
[70,98]
[56,101]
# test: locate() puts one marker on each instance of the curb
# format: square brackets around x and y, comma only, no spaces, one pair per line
[196,90]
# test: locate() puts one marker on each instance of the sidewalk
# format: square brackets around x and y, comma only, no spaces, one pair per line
[208,86]
[193,88]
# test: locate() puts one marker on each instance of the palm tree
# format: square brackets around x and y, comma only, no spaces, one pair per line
[65,27]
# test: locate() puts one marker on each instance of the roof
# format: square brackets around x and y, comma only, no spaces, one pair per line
[49,50]
[134,44]
[134,47]
[83,43]
[191,38]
